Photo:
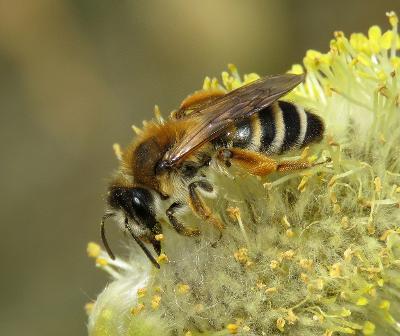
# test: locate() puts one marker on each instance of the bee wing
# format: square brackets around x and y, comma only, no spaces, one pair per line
[216,117]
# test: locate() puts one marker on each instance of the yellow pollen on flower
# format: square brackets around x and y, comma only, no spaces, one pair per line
[233,212]
[368,328]
[274,264]
[246,328]
[188,333]
[242,256]
[232,328]
[304,277]
[162,258]
[280,324]
[306,264]
[345,222]
[136,310]
[271,290]
[93,250]
[393,19]
[291,317]
[289,254]
[289,233]
[159,237]
[89,307]
[378,184]
[302,185]
[183,288]
[101,262]
[362,301]
[285,222]
[141,292]
[384,305]
[155,301]
[335,270]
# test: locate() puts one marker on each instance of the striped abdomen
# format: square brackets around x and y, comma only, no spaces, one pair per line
[278,128]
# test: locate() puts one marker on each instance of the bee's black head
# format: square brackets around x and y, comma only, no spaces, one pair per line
[137,206]
[136,203]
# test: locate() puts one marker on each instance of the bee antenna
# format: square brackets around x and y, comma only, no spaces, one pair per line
[103,234]
[140,243]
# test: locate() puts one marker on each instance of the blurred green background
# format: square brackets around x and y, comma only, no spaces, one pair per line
[74,76]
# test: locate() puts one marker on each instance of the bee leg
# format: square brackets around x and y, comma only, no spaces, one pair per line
[199,207]
[259,164]
[176,224]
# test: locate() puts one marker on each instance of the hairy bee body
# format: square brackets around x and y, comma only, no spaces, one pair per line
[166,170]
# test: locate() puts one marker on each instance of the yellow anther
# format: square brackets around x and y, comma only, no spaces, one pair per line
[328,332]
[271,290]
[246,328]
[305,278]
[136,310]
[359,42]
[363,59]
[303,183]
[306,264]
[232,328]
[89,307]
[233,212]
[159,237]
[118,151]
[368,328]
[242,256]
[233,69]
[384,305]
[155,301]
[162,258]
[336,208]
[374,33]
[274,264]
[251,77]
[141,292]
[348,254]
[362,301]
[297,69]
[371,229]
[280,324]
[387,40]
[93,250]
[183,288]
[285,222]
[333,197]
[378,184]
[345,222]
[289,233]
[335,270]
[260,285]
[188,333]
[199,308]
[393,19]
[101,262]
[289,254]
[207,84]
[291,317]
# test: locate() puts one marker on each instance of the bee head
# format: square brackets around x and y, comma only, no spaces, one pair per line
[136,205]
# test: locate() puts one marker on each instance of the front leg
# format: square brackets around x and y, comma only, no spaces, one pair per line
[176,224]
[199,207]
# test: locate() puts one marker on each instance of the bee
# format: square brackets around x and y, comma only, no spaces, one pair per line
[166,169]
